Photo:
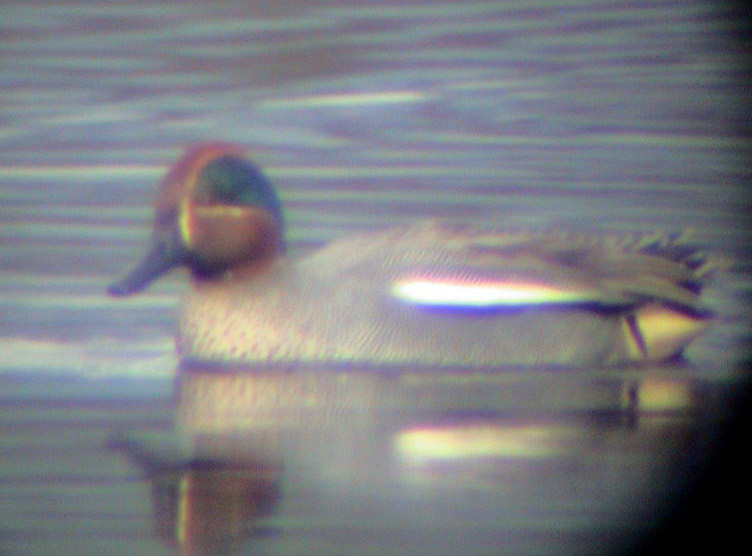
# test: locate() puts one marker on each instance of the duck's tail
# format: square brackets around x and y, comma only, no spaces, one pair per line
[681,247]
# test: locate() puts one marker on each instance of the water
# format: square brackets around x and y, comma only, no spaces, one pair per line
[609,116]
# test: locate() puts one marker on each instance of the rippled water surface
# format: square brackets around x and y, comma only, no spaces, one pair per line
[590,115]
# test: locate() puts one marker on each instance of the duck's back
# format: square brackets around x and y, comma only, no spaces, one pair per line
[438,294]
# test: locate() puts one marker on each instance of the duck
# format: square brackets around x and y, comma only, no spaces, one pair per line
[431,293]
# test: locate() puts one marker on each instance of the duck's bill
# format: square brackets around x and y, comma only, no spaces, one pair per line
[159,260]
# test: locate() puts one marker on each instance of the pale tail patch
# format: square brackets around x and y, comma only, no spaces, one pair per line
[657,332]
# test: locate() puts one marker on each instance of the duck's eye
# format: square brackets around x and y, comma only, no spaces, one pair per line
[219,182]
[229,180]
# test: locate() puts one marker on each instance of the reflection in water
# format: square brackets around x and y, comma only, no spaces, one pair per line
[218,400]
[326,459]
[204,496]
[481,440]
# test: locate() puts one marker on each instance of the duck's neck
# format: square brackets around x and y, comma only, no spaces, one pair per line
[247,271]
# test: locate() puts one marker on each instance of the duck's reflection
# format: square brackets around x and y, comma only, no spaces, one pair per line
[213,501]
[205,491]
[578,446]
[211,400]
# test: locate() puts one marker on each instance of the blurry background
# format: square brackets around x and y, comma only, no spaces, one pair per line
[626,116]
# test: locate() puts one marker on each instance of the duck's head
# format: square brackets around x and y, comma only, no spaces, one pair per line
[214,211]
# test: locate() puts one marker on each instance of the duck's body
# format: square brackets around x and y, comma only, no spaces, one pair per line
[428,294]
